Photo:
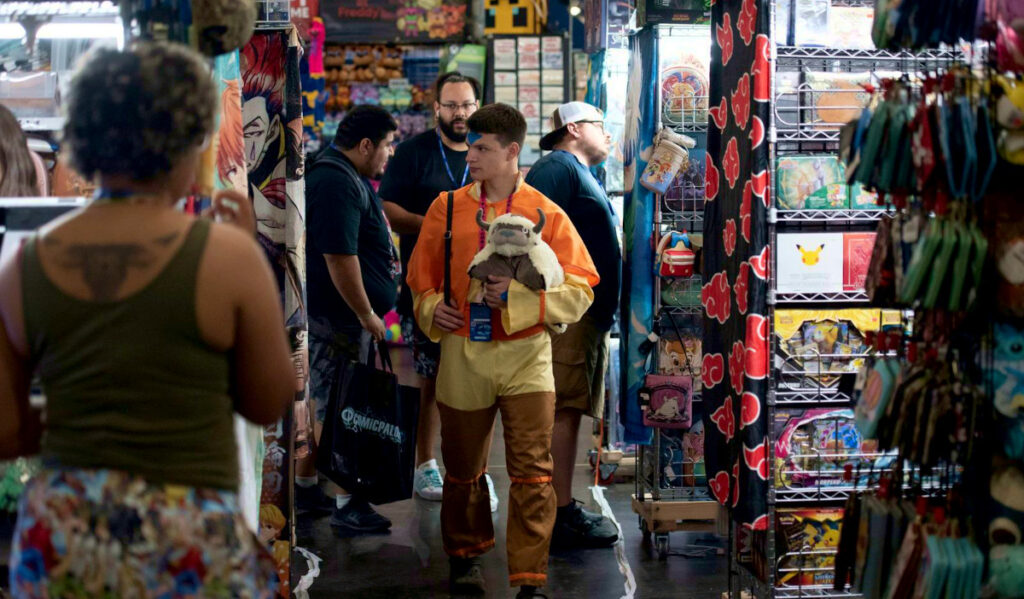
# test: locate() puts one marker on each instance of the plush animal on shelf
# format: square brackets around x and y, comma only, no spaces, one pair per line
[515,249]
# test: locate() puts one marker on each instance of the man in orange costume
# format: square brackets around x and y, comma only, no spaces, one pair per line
[511,372]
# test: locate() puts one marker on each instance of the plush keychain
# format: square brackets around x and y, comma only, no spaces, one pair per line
[515,249]
[223,25]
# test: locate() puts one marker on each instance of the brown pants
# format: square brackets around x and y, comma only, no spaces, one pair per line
[466,526]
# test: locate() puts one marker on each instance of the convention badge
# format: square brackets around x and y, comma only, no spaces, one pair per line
[479,322]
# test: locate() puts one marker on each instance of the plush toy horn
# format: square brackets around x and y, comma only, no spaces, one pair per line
[480,220]
[540,223]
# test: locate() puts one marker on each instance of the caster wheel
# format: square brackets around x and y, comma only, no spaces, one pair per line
[661,544]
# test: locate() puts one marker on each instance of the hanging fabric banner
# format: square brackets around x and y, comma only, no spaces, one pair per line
[736,260]
[272,125]
[638,226]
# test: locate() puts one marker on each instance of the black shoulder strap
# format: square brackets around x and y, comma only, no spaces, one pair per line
[448,250]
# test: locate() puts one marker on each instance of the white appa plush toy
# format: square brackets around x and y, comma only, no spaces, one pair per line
[515,249]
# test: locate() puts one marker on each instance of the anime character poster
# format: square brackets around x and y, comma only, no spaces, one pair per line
[272,154]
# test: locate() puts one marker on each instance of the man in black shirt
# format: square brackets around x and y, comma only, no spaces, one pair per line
[352,277]
[425,166]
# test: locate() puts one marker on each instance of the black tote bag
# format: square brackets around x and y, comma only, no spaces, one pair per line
[368,445]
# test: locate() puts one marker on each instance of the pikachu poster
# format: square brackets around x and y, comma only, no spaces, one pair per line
[810,263]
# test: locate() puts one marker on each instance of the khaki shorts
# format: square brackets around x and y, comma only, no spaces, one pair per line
[580,359]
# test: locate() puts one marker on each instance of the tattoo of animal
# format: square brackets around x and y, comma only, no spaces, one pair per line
[515,249]
[105,267]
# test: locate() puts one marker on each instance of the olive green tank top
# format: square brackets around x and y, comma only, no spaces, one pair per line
[130,384]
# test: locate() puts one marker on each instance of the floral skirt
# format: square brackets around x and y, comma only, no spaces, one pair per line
[105,533]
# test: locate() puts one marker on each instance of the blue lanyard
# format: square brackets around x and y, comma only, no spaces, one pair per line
[112,195]
[444,158]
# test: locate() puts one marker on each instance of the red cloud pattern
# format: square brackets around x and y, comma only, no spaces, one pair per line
[748,191]
[742,288]
[715,298]
[723,33]
[757,459]
[762,69]
[712,370]
[756,133]
[729,236]
[757,346]
[760,181]
[710,177]
[720,487]
[720,114]
[731,162]
[741,102]
[725,420]
[761,262]
[736,367]
[747,21]
[750,409]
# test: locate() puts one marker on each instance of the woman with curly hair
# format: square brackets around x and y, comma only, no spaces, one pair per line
[148,328]
[18,177]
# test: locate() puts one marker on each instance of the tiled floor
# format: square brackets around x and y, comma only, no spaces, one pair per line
[410,562]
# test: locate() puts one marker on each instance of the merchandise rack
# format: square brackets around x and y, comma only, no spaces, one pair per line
[794,386]
[672,494]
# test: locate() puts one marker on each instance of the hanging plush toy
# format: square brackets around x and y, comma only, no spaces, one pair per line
[223,25]
[515,249]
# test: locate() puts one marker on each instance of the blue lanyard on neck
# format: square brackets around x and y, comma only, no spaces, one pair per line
[112,195]
[447,168]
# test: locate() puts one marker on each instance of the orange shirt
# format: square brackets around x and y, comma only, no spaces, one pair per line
[528,311]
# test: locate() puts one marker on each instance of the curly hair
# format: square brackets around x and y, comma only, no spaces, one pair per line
[137,112]
[17,172]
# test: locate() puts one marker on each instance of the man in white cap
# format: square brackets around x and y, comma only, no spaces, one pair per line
[577,142]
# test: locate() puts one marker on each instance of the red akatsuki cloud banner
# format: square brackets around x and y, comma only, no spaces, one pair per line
[760,181]
[748,191]
[756,133]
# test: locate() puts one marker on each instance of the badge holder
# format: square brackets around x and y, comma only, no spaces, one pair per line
[479,322]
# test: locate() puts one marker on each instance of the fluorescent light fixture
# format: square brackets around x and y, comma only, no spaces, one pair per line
[65,31]
[11,31]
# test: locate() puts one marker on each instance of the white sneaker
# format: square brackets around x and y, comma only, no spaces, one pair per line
[492,493]
[427,481]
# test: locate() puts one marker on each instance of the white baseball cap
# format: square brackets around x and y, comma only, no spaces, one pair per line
[570,112]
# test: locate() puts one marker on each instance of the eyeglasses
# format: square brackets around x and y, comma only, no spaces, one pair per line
[598,124]
[452,106]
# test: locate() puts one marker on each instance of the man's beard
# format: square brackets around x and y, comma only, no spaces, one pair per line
[448,128]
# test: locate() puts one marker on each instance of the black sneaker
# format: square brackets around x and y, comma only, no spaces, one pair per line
[312,502]
[357,517]
[466,576]
[528,592]
[576,528]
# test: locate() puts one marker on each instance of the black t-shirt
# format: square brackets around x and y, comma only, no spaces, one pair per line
[416,175]
[565,181]
[344,216]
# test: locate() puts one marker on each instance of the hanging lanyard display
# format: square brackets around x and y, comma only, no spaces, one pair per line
[447,168]
[483,208]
